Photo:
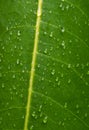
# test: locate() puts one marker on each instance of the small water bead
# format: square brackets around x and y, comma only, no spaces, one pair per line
[23,116]
[77,106]
[65,105]
[62,29]
[63,123]
[69,81]
[83,92]
[33,114]
[69,66]
[70,52]
[14,87]
[63,44]
[57,79]
[11,33]
[62,65]
[41,114]
[86,84]
[18,61]
[88,72]
[45,119]
[0,60]
[53,72]
[7,28]
[14,125]
[77,111]
[86,115]
[18,33]
[46,93]
[21,95]
[42,78]
[0,75]
[77,65]
[50,11]
[38,65]
[0,121]
[40,108]
[13,76]
[46,51]
[3,86]
[51,34]
[31,128]
[45,33]
[59,123]
[62,75]
[51,48]
[67,7]
[59,82]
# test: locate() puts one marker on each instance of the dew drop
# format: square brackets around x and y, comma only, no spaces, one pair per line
[31,128]
[62,29]
[56,79]
[69,81]
[45,51]
[77,106]
[53,72]
[59,83]
[65,105]
[69,66]
[45,119]
[63,44]
[88,72]
[40,108]
[3,86]
[17,61]
[86,114]
[18,33]
[51,34]
[59,123]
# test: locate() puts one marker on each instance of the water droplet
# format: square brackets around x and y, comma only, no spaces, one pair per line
[17,61]
[3,86]
[59,123]
[53,72]
[62,29]
[69,66]
[45,33]
[88,72]
[65,105]
[18,33]
[45,119]
[63,44]
[31,128]
[77,106]
[38,65]
[51,34]
[10,32]
[40,108]
[69,81]
[56,79]
[59,83]
[86,114]
[45,51]
[13,76]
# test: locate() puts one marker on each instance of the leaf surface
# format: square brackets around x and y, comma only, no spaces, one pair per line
[44,71]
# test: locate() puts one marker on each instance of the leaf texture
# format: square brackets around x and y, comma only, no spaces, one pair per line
[44,71]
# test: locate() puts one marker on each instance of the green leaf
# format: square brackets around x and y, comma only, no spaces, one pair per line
[44,71]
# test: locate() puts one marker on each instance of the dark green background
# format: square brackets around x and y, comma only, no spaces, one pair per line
[60,97]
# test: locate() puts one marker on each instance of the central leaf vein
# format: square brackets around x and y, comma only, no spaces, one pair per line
[39,12]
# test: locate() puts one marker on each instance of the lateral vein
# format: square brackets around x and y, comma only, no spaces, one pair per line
[39,12]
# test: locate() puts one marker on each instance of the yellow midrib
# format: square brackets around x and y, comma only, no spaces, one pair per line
[39,12]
